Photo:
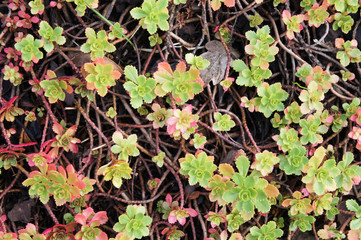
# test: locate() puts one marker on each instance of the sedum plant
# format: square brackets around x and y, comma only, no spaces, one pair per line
[250,77]
[159,116]
[181,84]
[294,161]
[64,139]
[307,4]
[180,215]
[311,130]
[111,112]
[54,88]
[173,233]
[293,23]
[39,159]
[321,175]
[90,223]
[215,218]
[322,203]
[153,14]
[125,147]
[351,108]
[255,20]
[134,222]
[218,185]
[223,122]
[248,192]
[140,88]
[349,52]
[263,54]
[154,40]
[268,231]
[159,159]
[64,184]
[353,206]
[343,21]
[311,99]
[30,49]
[299,204]
[8,158]
[116,31]
[292,113]
[355,133]
[234,220]
[9,111]
[330,231]
[37,7]
[182,123]
[199,140]
[216,4]
[81,88]
[270,98]
[347,75]
[349,174]
[317,15]
[116,171]
[265,162]
[260,47]
[97,44]
[323,78]
[196,62]
[278,2]
[100,76]
[287,139]
[61,231]
[30,233]
[12,74]
[81,5]
[199,168]
[302,221]
[345,5]
[50,35]
[304,71]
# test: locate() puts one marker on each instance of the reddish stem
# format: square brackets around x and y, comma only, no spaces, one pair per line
[148,61]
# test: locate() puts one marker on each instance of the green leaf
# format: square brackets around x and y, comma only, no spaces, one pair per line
[138,13]
[355,224]
[352,205]
[131,73]
[136,102]
[242,164]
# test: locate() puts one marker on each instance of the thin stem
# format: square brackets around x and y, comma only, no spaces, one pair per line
[234,144]
[52,215]
[92,124]
[133,201]
[11,185]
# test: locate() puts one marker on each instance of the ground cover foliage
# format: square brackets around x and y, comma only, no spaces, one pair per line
[182,119]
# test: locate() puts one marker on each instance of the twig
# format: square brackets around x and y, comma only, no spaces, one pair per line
[340,95]
[148,61]
[92,124]
[234,144]
[52,215]
[133,201]
[278,40]
[179,39]
[11,185]
[200,218]
[240,13]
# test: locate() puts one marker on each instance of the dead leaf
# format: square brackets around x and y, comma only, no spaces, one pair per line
[21,211]
[271,191]
[217,57]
